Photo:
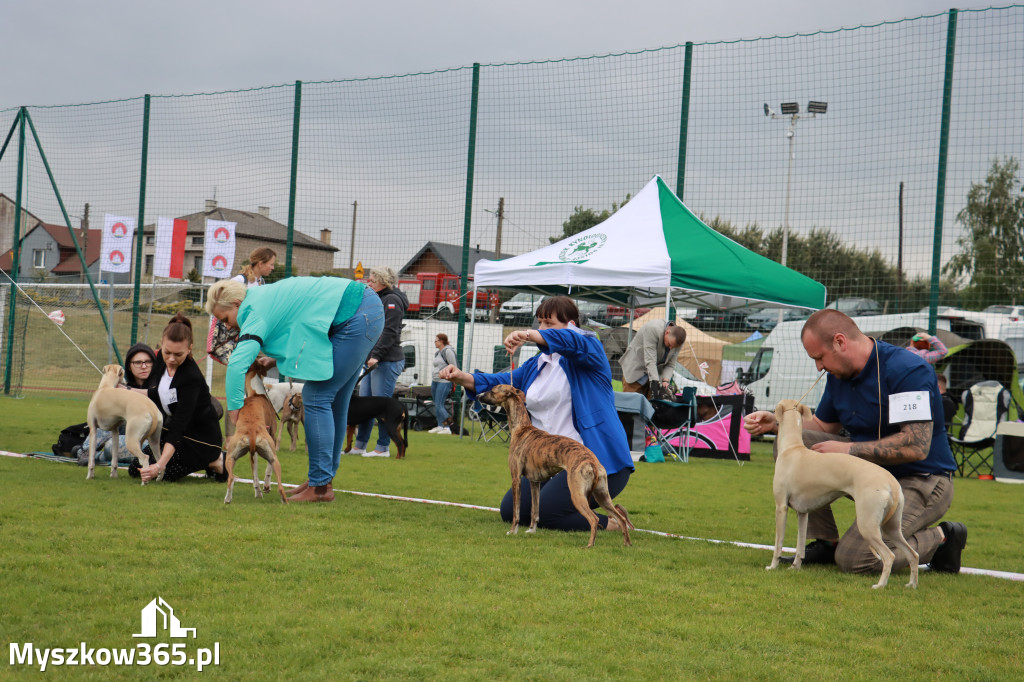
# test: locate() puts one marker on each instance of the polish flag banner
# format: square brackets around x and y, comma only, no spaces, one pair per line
[219,254]
[169,256]
[116,244]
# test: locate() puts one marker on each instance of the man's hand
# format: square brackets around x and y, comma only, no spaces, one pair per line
[760,422]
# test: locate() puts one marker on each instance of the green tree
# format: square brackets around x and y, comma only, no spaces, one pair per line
[991,253]
[583,219]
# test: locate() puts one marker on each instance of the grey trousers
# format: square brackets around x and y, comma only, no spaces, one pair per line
[926,499]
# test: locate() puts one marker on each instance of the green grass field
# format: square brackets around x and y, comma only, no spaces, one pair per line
[375,588]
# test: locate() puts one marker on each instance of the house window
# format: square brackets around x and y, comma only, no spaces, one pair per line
[38,258]
[198,241]
[150,241]
[149,264]
[197,263]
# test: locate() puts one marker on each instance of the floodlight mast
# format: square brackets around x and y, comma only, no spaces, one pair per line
[791,110]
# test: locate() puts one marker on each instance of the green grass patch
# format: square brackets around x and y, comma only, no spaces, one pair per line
[375,588]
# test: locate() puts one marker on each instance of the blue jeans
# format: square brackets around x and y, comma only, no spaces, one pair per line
[326,402]
[379,382]
[439,391]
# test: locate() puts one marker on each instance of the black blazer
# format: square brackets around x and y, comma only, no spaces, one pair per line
[193,414]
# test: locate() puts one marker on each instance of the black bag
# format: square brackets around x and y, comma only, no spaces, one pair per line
[69,438]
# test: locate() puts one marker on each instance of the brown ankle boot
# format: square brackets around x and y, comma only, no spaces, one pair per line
[298,489]
[319,493]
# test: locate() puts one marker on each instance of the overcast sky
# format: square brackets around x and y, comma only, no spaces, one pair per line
[69,51]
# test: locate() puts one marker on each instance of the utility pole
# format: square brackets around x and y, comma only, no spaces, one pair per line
[493,316]
[85,242]
[352,245]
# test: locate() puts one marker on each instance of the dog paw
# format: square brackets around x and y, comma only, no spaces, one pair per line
[113,473]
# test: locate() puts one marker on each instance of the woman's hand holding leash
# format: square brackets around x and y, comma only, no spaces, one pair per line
[516,339]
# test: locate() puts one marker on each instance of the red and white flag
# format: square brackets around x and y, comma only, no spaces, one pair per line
[169,257]
[116,244]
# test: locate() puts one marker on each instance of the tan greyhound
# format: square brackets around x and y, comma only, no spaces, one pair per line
[538,456]
[807,480]
[254,434]
[110,407]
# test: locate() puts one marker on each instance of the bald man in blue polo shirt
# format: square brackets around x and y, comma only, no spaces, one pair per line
[874,391]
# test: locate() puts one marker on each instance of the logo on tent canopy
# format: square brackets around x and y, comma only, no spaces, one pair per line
[579,250]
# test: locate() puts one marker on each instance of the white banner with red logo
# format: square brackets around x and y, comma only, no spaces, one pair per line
[116,245]
[169,253]
[219,256]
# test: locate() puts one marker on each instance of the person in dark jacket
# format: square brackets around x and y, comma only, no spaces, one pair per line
[191,439]
[387,359]
[138,365]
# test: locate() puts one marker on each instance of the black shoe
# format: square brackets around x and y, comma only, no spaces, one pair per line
[821,552]
[947,557]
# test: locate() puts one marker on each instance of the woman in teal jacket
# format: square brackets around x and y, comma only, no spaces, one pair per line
[316,329]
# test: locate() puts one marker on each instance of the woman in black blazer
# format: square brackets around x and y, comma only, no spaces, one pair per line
[191,439]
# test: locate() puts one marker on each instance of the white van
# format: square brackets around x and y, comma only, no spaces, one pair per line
[418,344]
[781,369]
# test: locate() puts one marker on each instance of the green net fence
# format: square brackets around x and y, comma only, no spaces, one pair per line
[903,195]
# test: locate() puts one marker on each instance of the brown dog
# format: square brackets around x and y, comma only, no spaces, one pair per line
[255,434]
[807,480]
[292,414]
[538,456]
[110,407]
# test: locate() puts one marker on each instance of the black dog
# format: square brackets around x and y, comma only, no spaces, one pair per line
[387,411]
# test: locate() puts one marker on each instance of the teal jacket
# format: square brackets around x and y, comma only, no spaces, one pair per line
[289,321]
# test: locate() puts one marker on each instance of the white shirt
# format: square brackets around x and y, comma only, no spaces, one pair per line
[549,399]
[168,396]
[240,277]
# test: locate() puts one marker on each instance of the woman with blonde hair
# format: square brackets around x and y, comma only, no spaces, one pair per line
[316,329]
[261,264]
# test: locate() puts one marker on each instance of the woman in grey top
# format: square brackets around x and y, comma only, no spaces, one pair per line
[439,389]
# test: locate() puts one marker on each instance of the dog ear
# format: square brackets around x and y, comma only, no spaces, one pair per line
[522,396]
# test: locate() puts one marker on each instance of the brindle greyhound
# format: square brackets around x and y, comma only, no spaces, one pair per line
[807,480]
[538,456]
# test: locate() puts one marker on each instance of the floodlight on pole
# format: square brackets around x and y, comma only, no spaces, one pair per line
[791,110]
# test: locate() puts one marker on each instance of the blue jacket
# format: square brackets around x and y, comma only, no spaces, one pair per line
[590,384]
[289,321]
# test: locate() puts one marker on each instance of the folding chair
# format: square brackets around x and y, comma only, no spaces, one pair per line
[673,420]
[986,404]
[493,422]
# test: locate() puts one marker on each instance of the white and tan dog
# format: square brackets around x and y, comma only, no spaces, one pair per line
[110,407]
[807,480]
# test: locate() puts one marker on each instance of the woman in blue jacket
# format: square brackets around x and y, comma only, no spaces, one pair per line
[568,388]
[317,329]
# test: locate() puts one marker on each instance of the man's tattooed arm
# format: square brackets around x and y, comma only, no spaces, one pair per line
[911,444]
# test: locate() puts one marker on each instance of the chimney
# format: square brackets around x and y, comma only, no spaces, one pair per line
[325,236]
[211,204]
[264,211]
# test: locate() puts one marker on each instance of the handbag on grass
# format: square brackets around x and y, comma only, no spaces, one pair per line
[220,341]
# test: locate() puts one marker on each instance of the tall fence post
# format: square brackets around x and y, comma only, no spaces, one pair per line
[140,224]
[940,185]
[296,116]
[684,121]
[12,300]
[467,216]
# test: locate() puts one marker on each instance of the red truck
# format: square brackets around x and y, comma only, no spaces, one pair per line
[437,294]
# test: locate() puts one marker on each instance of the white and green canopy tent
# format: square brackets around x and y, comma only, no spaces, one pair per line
[654,249]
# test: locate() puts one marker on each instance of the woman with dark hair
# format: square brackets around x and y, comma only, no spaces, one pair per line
[191,439]
[568,388]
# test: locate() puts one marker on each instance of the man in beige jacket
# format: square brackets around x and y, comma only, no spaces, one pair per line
[651,356]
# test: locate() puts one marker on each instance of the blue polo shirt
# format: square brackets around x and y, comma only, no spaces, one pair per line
[861,405]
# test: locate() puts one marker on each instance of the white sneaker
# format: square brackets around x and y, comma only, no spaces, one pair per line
[356,451]
[445,431]
[377,453]
[434,430]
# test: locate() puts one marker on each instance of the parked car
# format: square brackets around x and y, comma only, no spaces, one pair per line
[765,320]
[1015,312]
[592,313]
[520,309]
[857,307]
[710,319]
[617,315]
